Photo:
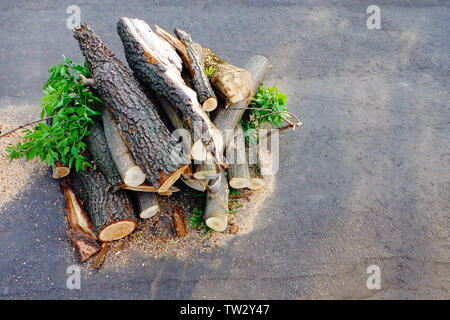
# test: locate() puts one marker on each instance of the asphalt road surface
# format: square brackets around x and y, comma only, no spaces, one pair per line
[364,181]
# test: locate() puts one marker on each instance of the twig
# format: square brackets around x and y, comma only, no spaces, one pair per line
[23,126]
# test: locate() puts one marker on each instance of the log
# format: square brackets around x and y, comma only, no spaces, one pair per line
[207,170]
[156,63]
[110,212]
[60,171]
[147,188]
[196,184]
[238,173]
[178,222]
[233,83]
[216,209]
[85,245]
[98,148]
[76,216]
[196,65]
[227,120]
[138,121]
[147,204]
[131,174]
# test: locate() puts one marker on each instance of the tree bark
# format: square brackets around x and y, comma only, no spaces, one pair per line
[145,134]
[100,258]
[233,83]
[99,150]
[85,246]
[238,173]
[147,204]
[110,212]
[216,209]
[196,67]
[131,174]
[156,63]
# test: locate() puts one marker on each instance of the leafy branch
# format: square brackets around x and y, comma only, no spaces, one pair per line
[69,106]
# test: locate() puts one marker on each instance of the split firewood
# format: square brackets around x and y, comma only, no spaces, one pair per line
[85,245]
[188,179]
[178,222]
[138,121]
[110,212]
[238,174]
[99,150]
[216,209]
[147,188]
[147,204]
[227,120]
[76,216]
[131,174]
[60,171]
[233,83]
[156,63]
[100,258]
[196,67]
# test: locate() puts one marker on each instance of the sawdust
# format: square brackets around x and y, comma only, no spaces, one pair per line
[155,237]
[16,175]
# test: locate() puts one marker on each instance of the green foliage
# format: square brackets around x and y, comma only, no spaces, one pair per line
[270,103]
[72,107]
[210,71]
[196,221]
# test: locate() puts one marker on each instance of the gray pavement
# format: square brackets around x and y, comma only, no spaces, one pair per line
[365,181]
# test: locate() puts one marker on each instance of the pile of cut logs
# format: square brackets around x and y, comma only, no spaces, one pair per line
[132,148]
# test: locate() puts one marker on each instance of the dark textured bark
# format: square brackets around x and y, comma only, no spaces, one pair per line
[98,148]
[100,258]
[157,64]
[146,136]
[104,207]
[196,67]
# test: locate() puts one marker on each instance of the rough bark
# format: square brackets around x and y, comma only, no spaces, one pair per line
[99,150]
[196,67]
[178,222]
[156,63]
[85,246]
[147,204]
[110,212]
[130,172]
[216,209]
[145,134]
[238,173]
[233,83]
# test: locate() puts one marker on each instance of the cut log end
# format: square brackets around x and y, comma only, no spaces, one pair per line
[60,171]
[216,224]
[210,104]
[205,174]
[164,187]
[240,183]
[116,231]
[257,184]
[134,177]
[196,184]
[149,212]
